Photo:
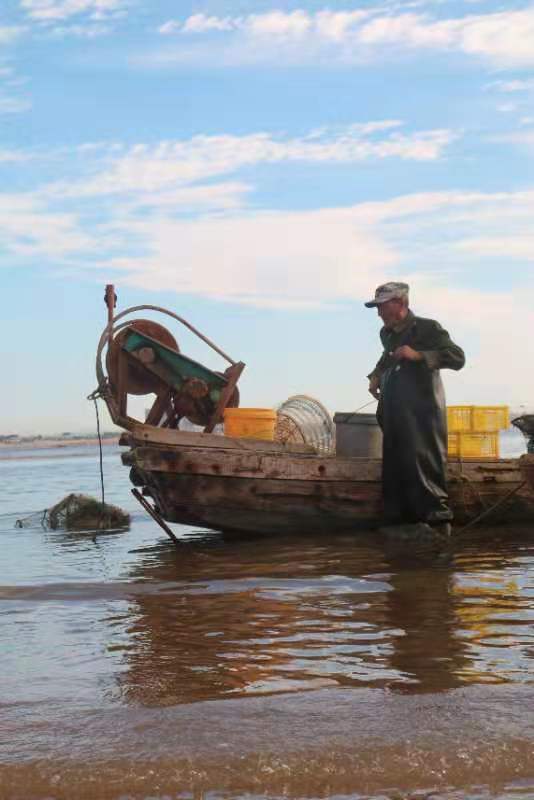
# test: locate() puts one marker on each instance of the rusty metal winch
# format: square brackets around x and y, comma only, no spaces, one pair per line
[144,358]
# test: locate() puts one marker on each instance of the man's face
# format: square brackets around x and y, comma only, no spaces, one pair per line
[391,311]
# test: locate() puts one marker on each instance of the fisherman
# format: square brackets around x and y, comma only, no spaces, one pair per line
[411,410]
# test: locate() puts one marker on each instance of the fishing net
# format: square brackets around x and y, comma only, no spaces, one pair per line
[77,512]
[304,420]
[286,430]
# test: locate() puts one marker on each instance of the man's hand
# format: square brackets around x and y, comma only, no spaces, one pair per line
[406,353]
[374,386]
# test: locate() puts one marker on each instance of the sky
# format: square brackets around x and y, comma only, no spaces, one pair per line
[259,168]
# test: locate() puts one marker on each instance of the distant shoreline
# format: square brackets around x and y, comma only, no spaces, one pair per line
[43,444]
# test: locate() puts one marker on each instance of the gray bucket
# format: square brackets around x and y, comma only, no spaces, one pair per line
[357,435]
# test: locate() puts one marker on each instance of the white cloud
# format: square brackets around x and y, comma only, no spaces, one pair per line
[29,228]
[466,255]
[199,23]
[320,258]
[166,166]
[13,105]
[170,27]
[55,10]
[504,38]
[272,258]
[477,319]
[507,108]
[89,31]
[194,199]
[337,25]
[304,258]
[9,33]
[407,30]
[11,156]
[512,86]
[523,138]
[167,205]
[501,247]
[279,23]
[342,250]
[11,101]
[327,24]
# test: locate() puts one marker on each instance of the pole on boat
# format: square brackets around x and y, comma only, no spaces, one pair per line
[155,516]
[110,299]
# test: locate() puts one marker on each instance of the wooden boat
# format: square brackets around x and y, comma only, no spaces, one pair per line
[255,486]
[242,485]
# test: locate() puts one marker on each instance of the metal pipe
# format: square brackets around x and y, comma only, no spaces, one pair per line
[183,322]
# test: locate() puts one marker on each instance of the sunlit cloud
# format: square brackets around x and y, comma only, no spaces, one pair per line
[505,38]
[29,228]
[55,10]
[206,240]
[512,86]
[145,169]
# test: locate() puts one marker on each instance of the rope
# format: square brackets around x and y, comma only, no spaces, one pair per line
[492,508]
[99,448]
[26,513]
[466,480]
[22,522]
[365,405]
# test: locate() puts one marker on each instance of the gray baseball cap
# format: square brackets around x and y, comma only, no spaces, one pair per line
[389,291]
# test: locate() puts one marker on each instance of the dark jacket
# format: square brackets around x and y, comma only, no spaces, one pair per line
[425,335]
[412,414]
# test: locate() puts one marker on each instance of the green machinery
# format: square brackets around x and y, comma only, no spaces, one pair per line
[144,358]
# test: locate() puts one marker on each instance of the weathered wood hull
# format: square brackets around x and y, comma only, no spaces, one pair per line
[526,464]
[259,487]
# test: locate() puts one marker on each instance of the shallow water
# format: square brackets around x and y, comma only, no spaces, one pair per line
[260,667]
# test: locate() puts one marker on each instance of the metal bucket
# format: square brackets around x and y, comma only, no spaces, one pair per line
[357,435]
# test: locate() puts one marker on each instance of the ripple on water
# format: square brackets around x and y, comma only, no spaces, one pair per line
[275,667]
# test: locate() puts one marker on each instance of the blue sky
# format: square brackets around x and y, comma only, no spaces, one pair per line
[259,168]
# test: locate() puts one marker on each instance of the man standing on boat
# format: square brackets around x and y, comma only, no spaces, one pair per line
[411,410]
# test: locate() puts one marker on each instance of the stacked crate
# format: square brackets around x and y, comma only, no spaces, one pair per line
[474,431]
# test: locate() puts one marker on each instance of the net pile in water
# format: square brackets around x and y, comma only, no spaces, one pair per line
[78,512]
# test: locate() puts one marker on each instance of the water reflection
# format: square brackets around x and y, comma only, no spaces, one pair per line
[429,656]
[234,618]
[97,636]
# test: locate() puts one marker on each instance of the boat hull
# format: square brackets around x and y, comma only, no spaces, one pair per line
[263,489]
[268,506]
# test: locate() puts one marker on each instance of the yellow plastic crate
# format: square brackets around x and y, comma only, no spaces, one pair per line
[459,419]
[475,446]
[489,419]
[477,419]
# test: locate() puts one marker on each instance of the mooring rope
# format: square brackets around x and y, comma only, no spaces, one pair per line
[93,398]
[491,509]
[16,513]
[365,405]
